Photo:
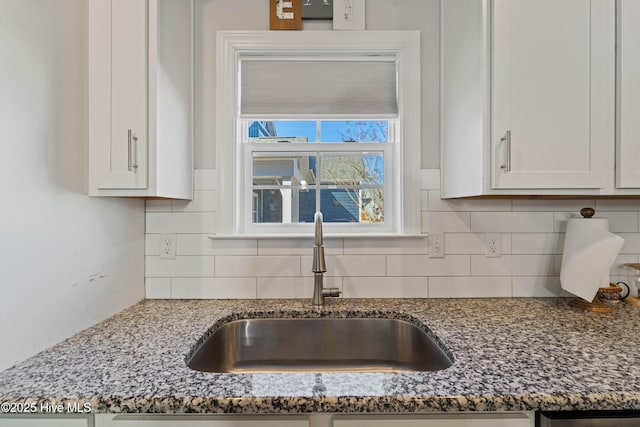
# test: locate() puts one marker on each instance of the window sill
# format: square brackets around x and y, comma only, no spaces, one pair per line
[281,236]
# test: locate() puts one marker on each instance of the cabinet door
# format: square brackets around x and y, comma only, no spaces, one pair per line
[201,421]
[628,95]
[551,93]
[118,93]
[42,421]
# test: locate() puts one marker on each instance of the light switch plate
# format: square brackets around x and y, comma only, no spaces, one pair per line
[348,14]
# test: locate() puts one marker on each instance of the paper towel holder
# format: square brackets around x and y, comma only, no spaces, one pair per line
[602,303]
[606,296]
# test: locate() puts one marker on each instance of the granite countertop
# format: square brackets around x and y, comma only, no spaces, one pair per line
[510,355]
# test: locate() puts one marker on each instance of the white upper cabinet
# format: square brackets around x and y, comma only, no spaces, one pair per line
[527,97]
[141,98]
[628,95]
[550,84]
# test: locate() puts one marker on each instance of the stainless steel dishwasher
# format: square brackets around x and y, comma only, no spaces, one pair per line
[588,419]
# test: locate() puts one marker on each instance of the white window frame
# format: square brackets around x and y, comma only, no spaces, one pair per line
[404,216]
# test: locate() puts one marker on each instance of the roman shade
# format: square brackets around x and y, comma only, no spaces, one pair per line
[283,86]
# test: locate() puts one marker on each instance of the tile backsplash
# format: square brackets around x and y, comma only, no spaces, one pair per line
[531,233]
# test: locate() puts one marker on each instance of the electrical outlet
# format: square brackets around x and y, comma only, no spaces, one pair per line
[168,246]
[492,245]
[436,245]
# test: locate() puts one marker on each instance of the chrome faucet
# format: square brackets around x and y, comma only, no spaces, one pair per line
[319,267]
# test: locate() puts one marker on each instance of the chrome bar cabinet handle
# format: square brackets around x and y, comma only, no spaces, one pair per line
[132,140]
[506,139]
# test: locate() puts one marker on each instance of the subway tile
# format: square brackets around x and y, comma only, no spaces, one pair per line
[297,246]
[469,287]
[203,201]
[631,243]
[506,244]
[464,243]
[385,287]
[158,205]
[213,287]
[205,179]
[472,243]
[537,286]
[613,205]
[422,265]
[349,265]
[292,287]
[621,222]
[551,205]
[512,265]
[430,179]
[157,287]
[618,264]
[387,245]
[456,205]
[201,244]
[440,222]
[181,222]
[181,266]
[617,269]
[152,244]
[512,222]
[537,243]
[560,221]
[257,266]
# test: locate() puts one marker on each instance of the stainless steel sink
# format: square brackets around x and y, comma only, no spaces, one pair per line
[319,345]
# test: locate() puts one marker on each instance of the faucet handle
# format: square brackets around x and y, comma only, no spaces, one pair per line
[331,292]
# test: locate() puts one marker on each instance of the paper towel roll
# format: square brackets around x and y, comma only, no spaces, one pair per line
[589,250]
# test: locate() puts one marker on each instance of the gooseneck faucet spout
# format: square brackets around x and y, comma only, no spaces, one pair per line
[319,267]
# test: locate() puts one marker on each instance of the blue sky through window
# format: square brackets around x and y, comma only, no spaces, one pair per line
[335,131]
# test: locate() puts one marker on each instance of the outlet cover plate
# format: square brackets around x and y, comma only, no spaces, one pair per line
[493,245]
[168,246]
[436,245]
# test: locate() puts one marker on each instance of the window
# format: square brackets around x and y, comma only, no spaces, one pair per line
[327,123]
[297,167]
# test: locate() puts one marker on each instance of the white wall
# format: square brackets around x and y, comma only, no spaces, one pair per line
[531,231]
[67,260]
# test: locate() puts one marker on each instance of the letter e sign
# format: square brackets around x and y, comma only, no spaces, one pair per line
[285,14]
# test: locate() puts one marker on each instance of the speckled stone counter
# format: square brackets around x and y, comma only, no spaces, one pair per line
[510,355]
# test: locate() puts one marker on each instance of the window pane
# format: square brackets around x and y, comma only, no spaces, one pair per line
[352,187]
[352,169]
[283,169]
[354,131]
[284,205]
[352,205]
[280,183]
[282,131]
